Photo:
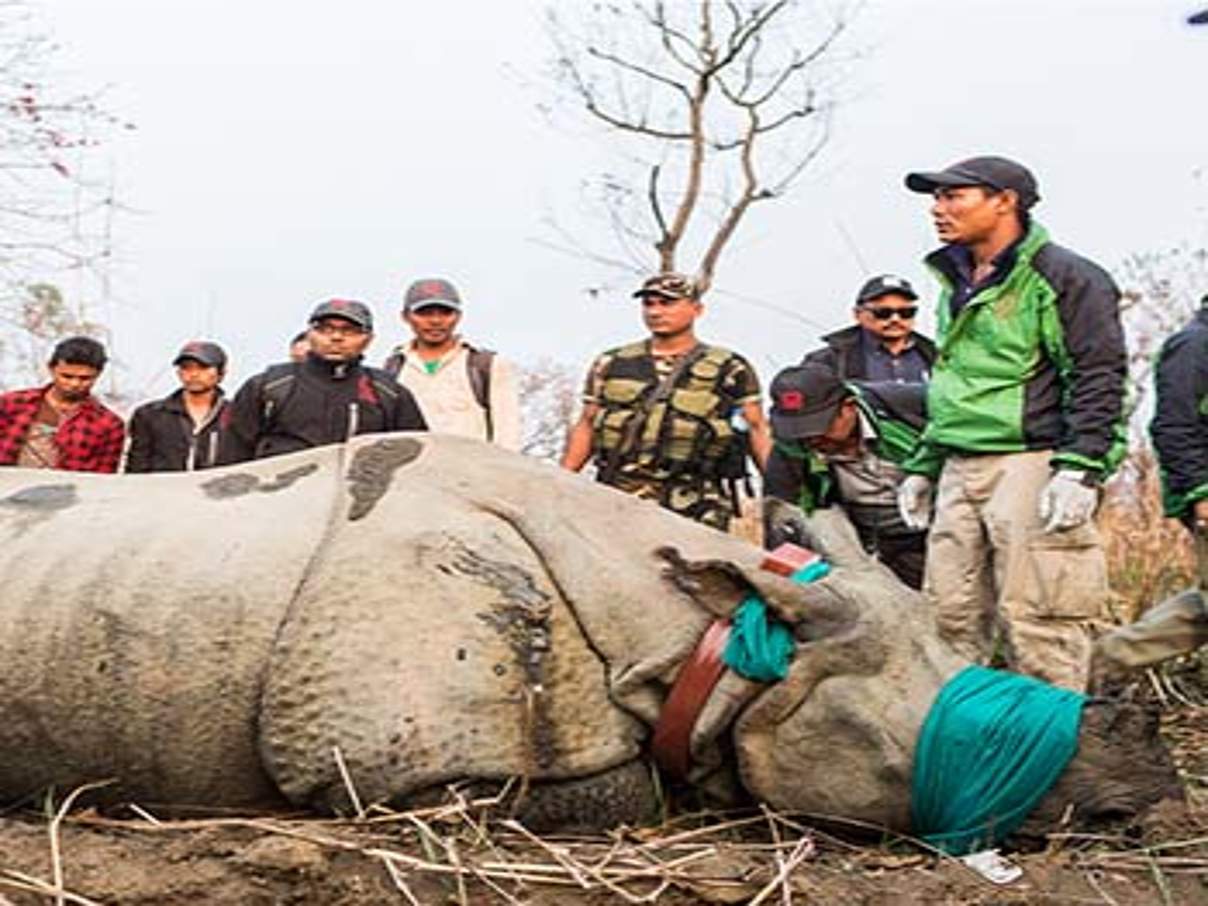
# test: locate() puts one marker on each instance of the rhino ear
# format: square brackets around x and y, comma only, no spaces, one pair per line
[826,531]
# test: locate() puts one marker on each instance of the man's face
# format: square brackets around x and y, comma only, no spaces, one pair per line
[433,325]
[668,317]
[842,435]
[889,317]
[196,377]
[73,383]
[969,214]
[338,339]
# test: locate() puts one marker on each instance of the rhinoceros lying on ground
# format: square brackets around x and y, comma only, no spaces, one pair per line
[440,610]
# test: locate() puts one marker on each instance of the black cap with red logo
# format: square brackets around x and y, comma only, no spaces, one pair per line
[805,399]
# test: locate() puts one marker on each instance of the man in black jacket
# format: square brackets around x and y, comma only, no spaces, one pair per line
[1180,423]
[1179,431]
[180,432]
[882,345]
[327,398]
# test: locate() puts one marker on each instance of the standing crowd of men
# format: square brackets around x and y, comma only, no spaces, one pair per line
[970,466]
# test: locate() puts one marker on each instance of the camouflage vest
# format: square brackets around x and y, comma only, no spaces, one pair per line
[685,430]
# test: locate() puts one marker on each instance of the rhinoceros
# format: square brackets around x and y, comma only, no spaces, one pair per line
[398,613]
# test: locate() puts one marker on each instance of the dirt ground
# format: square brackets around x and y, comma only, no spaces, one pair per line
[453,855]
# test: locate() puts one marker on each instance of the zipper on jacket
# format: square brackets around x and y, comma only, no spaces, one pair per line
[354,418]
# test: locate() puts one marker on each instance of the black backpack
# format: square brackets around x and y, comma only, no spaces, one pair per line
[478,369]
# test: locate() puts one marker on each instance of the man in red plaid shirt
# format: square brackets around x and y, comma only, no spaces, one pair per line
[61,425]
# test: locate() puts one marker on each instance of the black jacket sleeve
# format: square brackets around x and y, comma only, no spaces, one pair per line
[142,441]
[1178,427]
[241,424]
[1095,362]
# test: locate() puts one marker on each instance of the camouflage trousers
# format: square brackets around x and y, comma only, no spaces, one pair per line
[701,501]
[992,570]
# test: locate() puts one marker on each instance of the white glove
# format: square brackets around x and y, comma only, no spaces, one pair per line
[914,501]
[1066,502]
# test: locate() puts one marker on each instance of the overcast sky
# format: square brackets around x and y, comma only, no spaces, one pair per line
[288,152]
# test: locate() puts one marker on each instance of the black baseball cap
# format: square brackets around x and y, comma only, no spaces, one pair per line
[995,172]
[1200,18]
[885,285]
[805,399]
[209,354]
[348,309]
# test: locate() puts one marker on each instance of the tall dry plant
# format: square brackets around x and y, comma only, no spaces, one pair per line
[1149,557]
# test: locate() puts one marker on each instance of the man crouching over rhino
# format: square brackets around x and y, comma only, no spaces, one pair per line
[435,610]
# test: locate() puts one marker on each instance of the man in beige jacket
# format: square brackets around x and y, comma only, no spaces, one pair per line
[461,389]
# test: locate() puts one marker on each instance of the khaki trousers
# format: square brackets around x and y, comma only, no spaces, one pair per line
[1179,625]
[991,569]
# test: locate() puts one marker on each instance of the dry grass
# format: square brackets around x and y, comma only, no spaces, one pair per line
[1149,557]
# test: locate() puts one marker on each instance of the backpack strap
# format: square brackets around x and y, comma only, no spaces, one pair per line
[278,387]
[478,369]
[394,363]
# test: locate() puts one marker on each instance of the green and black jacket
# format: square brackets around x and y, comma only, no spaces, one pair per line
[1180,423]
[1033,359]
[895,412]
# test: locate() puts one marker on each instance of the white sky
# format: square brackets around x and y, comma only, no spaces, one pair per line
[288,152]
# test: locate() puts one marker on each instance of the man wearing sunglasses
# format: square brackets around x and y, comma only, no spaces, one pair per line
[1025,419]
[326,398]
[882,345]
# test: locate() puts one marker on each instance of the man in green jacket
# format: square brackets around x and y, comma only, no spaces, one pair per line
[1024,422]
[840,443]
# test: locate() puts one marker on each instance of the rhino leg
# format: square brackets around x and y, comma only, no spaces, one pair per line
[619,795]
[1121,770]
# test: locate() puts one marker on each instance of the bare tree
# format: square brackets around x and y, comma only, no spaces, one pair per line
[718,105]
[1161,291]
[55,218]
[548,399]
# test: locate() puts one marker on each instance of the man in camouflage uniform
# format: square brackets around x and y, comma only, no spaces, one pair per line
[659,415]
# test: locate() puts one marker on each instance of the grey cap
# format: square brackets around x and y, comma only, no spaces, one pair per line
[348,309]
[995,172]
[209,354]
[429,292]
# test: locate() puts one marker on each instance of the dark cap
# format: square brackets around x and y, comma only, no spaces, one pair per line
[996,172]
[429,292]
[885,285]
[805,399]
[668,286]
[1200,18]
[348,309]
[203,351]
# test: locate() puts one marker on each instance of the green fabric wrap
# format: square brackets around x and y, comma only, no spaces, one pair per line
[759,646]
[991,748]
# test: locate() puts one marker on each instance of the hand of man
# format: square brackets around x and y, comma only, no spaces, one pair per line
[784,524]
[1066,502]
[1200,511]
[914,501]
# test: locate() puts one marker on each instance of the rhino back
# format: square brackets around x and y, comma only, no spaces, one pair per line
[136,617]
[431,642]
